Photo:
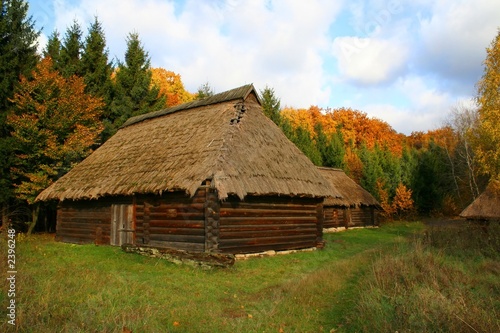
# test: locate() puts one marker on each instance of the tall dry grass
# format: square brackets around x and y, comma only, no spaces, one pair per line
[445,280]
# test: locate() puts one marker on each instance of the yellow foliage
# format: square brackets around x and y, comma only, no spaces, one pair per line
[171,85]
[487,143]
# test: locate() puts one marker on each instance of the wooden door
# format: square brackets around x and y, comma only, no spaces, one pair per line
[122,224]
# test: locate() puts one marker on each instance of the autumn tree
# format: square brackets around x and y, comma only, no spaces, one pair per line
[54,123]
[18,57]
[488,98]
[133,92]
[171,86]
[402,203]
[464,122]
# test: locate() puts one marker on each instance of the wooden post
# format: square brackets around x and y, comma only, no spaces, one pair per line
[320,217]
[145,223]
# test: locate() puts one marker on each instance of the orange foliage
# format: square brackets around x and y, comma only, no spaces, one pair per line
[444,137]
[54,124]
[387,209]
[171,85]
[402,203]
[354,165]
[356,126]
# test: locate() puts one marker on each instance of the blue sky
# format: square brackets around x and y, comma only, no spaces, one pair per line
[405,62]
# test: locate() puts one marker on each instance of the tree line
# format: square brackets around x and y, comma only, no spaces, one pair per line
[437,172]
[57,106]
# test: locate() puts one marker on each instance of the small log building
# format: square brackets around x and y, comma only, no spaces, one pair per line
[355,208]
[212,175]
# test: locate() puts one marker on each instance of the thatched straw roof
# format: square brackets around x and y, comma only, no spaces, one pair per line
[225,138]
[486,206]
[352,195]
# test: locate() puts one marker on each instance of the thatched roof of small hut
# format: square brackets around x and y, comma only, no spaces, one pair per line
[486,206]
[225,138]
[352,194]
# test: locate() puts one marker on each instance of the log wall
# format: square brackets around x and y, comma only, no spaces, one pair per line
[363,217]
[83,222]
[268,223]
[336,217]
[171,220]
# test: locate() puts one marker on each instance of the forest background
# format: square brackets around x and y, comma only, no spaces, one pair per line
[58,106]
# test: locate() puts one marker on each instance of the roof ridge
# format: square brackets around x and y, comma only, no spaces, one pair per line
[225,96]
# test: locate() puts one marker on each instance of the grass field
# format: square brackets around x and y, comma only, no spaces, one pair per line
[400,277]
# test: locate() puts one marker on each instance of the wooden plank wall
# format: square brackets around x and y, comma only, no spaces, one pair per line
[363,217]
[172,220]
[84,222]
[334,217]
[268,223]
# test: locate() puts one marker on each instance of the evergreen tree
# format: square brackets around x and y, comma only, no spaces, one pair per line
[431,185]
[204,91]
[71,52]
[372,169]
[337,158]
[133,92]
[18,56]
[95,67]
[302,139]
[97,70]
[271,105]
[53,49]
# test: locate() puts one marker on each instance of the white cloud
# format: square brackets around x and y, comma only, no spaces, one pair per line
[370,61]
[227,43]
[427,107]
[454,37]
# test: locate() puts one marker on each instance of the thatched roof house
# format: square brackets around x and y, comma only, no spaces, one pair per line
[177,176]
[486,206]
[356,206]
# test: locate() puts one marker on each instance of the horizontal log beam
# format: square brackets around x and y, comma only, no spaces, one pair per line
[177,238]
[236,235]
[267,240]
[252,212]
[268,220]
[177,223]
[270,205]
[262,248]
[176,231]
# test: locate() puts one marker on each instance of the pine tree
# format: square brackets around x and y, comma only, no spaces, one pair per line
[204,91]
[18,56]
[71,51]
[95,67]
[134,93]
[53,49]
[271,105]
[97,70]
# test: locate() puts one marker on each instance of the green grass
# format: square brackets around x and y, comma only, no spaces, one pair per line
[86,288]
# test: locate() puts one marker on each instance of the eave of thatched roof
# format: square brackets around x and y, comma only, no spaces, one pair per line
[486,206]
[352,194]
[226,139]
